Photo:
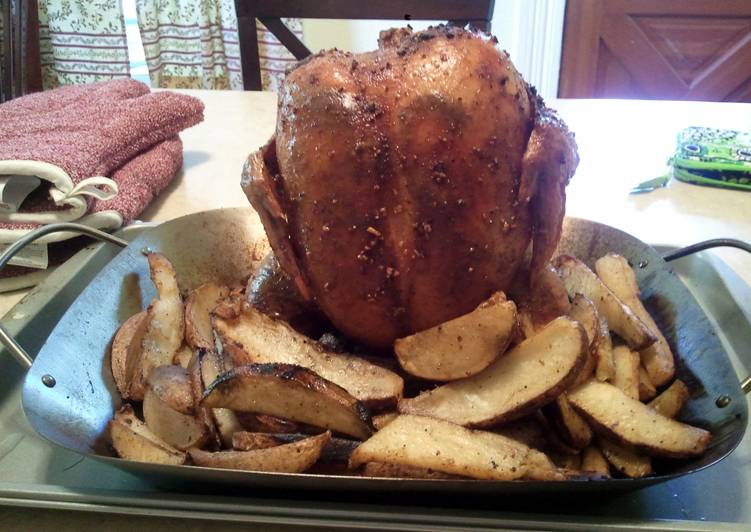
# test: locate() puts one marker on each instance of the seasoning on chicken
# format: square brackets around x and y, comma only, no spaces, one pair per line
[404,186]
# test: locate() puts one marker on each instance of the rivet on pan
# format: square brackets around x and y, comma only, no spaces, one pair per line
[146,250]
[722,401]
[643,264]
[49,381]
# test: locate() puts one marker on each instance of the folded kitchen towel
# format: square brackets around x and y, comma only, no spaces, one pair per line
[75,137]
[102,152]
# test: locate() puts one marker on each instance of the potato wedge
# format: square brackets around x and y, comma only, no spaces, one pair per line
[226,424]
[289,458]
[183,356]
[132,440]
[570,426]
[605,367]
[381,420]
[442,446]
[570,462]
[584,311]
[212,364]
[381,470]
[172,385]
[336,450]
[267,424]
[527,430]
[199,303]
[166,324]
[250,441]
[620,278]
[578,278]
[670,402]
[541,301]
[624,459]
[290,392]
[461,347]
[179,430]
[593,460]
[627,364]
[169,408]
[647,390]
[529,376]
[614,413]
[126,351]
[265,340]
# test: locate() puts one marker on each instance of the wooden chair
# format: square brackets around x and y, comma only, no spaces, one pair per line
[476,13]
[21,70]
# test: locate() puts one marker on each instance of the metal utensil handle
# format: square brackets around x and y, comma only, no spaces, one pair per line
[18,352]
[709,244]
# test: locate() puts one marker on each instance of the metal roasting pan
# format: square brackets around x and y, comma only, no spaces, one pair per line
[69,394]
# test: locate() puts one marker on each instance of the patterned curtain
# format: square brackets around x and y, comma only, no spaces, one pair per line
[187,43]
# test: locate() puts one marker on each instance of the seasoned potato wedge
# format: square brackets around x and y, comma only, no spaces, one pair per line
[460,347]
[132,440]
[199,303]
[212,364]
[670,402]
[265,340]
[250,441]
[126,351]
[336,450]
[183,356]
[442,446]
[166,324]
[267,424]
[611,411]
[179,430]
[570,426]
[647,390]
[529,376]
[381,420]
[584,311]
[288,458]
[226,424]
[605,367]
[627,364]
[527,430]
[379,469]
[624,459]
[172,385]
[618,276]
[541,301]
[593,460]
[578,278]
[290,392]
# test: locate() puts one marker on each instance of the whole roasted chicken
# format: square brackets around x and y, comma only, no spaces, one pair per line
[406,185]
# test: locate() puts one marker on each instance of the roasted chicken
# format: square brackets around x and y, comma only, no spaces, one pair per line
[404,186]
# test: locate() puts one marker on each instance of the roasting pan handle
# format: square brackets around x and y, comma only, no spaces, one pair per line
[18,352]
[701,246]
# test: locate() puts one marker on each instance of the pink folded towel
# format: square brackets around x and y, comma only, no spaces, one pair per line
[103,152]
[77,136]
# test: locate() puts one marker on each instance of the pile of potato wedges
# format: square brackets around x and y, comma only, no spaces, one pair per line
[571,379]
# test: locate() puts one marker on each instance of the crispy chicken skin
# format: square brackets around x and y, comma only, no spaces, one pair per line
[404,186]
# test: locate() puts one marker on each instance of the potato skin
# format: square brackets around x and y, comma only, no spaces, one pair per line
[402,196]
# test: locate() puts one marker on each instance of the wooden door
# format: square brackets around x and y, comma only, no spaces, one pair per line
[657,49]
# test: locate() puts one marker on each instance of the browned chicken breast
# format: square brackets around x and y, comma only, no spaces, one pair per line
[404,186]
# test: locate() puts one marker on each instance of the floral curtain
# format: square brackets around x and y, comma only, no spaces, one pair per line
[187,43]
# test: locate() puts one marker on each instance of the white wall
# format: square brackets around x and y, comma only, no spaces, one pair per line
[531,31]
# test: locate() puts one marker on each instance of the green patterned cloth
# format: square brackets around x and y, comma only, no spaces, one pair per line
[187,43]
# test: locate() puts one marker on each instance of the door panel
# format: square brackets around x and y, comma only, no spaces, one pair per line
[678,50]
